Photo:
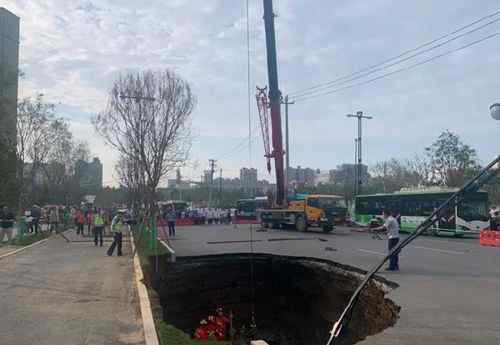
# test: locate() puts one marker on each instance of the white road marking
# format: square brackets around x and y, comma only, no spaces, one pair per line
[376,253]
[371,252]
[440,250]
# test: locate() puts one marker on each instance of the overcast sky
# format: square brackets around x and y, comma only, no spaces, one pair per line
[73,50]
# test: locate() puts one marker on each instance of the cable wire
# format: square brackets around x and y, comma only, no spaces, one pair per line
[409,67]
[401,60]
[399,56]
[249,99]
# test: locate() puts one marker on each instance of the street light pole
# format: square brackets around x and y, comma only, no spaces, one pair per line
[359,115]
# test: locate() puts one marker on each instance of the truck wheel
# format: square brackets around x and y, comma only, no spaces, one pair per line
[301,224]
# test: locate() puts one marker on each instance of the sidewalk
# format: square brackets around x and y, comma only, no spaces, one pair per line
[61,293]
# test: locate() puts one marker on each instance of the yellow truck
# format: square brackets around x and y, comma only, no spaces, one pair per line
[315,210]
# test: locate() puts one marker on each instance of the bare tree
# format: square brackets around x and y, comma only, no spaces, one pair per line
[132,177]
[147,121]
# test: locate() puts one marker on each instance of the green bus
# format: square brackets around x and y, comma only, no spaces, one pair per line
[414,206]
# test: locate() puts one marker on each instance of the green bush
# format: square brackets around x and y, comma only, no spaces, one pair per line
[30,239]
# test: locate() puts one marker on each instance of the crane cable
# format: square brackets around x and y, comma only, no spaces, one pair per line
[249,100]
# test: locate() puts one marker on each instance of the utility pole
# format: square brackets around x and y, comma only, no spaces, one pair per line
[211,182]
[359,115]
[287,143]
[355,170]
[220,187]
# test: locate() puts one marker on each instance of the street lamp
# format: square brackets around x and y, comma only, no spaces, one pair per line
[495,111]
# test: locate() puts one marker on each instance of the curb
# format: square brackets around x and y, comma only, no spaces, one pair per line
[23,248]
[148,324]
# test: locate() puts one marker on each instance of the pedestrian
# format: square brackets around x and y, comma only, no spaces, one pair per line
[98,227]
[171,218]
[53,219]
[36,214]
[7,220]
[117,228]
[391,226]
[494,214]
[79,222]
[90,218]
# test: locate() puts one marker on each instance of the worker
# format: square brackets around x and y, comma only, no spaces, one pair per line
[391,226]
[494,213]
[98,227]
[171,219]
[117,228]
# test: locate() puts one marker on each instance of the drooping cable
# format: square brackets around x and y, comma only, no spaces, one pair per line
[406,68]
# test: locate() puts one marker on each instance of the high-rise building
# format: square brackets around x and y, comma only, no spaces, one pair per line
[9,70]
[302,176]
[344,174]
[89,175]
[248,177]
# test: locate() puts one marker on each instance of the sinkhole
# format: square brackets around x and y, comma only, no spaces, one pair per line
[296,299]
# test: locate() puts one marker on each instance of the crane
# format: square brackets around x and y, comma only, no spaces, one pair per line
[313,210]
[274,104]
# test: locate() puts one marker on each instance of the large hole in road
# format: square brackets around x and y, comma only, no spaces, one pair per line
[296,299]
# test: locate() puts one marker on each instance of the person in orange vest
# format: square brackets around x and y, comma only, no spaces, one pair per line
[79,222]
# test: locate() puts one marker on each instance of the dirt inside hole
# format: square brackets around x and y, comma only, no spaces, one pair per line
[296,299]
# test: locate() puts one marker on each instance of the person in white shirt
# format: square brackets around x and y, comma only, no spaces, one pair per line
[391,226]
[494,215]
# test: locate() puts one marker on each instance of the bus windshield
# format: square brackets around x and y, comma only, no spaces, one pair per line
[473,210]
[246,205]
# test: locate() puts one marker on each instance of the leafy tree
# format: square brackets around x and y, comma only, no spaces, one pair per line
[452,162]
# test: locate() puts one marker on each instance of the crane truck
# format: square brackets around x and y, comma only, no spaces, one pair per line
[315,210]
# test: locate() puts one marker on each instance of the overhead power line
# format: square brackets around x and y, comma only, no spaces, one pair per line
[346,81]
[399,70]
[399,57]
[243,144]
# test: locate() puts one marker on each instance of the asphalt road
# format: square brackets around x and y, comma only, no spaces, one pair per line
[449,288]
[60,293]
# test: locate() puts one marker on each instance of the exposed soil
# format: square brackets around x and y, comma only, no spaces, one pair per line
[296,300]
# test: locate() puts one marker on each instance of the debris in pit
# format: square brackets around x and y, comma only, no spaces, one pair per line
[217,327]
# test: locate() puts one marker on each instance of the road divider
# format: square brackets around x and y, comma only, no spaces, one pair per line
[489,238]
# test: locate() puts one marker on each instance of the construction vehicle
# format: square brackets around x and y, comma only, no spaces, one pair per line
[314,210]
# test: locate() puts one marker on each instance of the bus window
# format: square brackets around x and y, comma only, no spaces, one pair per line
[473,210]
